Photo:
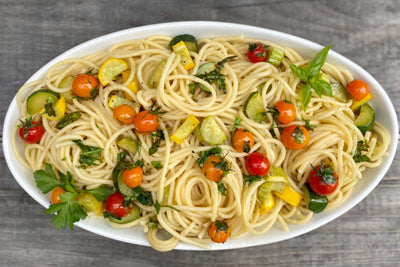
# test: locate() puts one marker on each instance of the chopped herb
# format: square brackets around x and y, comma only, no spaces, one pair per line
[326,173]
[309,78]
[192,88]
[216,76]
[68,119]
[139,146]
[140,195]
[251,179]
[48,108]
[236,124]
[153,109]
[157,164]
[298,135]
[221,226]
[28,125]
[158,207]
[91,72]
[152,223]
[275,114]
[308,125]
[64,159]
[358,156]
[90,155]
[93,92]
[156,136]
[222,188]
[252,46]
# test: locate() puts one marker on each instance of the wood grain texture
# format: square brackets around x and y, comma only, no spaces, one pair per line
[34,32]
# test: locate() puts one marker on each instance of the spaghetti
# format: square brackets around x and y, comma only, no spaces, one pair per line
[179,183]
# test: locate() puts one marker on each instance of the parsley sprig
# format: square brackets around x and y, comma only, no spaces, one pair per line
[309,78]
[90,155]
[68,211]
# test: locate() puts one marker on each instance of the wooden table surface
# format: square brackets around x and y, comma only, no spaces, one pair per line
[367,32]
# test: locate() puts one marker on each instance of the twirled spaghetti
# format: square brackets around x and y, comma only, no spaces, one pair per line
[197,201]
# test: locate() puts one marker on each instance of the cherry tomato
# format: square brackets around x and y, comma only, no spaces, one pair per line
[55,195]
[85,85]
[146,122]
[133,177]
[219,231]
[124,114]
[323,180]
[30,131]
[242,140]
[257,52]
[287,111]
[358,89]
[257,164]
[295,137]
[114,205]
[210,171]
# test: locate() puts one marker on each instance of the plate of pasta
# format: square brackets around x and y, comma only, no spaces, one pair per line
[199,135]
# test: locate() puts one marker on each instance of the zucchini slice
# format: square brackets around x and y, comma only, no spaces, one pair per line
[366,118]
[155,76]
[275,57]
[129,144]
[123,188]
[203,69]
[116,101]
[254,108]
[314,202]
[36,101]
[190,42]
[211,132]
[130,217]
[339,92]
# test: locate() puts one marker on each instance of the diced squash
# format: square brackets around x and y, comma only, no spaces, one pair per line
[59,108]
[132,85]
[289,195]
[358,103]
[185,129]
[181,49]
[111,68]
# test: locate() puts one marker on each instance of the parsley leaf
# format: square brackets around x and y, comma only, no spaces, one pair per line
[221,188]
[298,135]
[156,136]
[152,223]
[205,154]
[309,78]
[48,108]
[236,124]
[140,195]
[221,226]
[46,180]
[101,193]
[308,125]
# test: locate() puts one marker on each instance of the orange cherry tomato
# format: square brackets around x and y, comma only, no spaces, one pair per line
[210,171]
[146,122]
[295,137]
[243,140]
[124,114]
[133,177]
[85,85]
[55,195]
[358,89]
[287,111]
[219,231]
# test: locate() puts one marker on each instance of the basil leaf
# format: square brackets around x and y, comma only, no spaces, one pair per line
[322,86]
[299,72]
[305,95]
[315,65]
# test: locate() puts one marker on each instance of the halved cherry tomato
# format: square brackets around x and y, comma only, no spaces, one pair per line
[219,231]
[133,177]
[243,140]
[295,137]
[114,205]
[257,164]
[323,180]
[30,131]
[85,85]
[257,52]
[358,89]
[287,111]
[210,171]
[55,195]
[146,122]
[124,114]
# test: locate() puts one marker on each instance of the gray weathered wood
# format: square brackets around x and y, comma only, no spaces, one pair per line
[34,32]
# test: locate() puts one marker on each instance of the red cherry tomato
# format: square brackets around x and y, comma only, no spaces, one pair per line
[85,85]
[287,111]
[257,52]
[146,122]
[323,180]
[358,89]
[257,164]
[114,205]
[30,131]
